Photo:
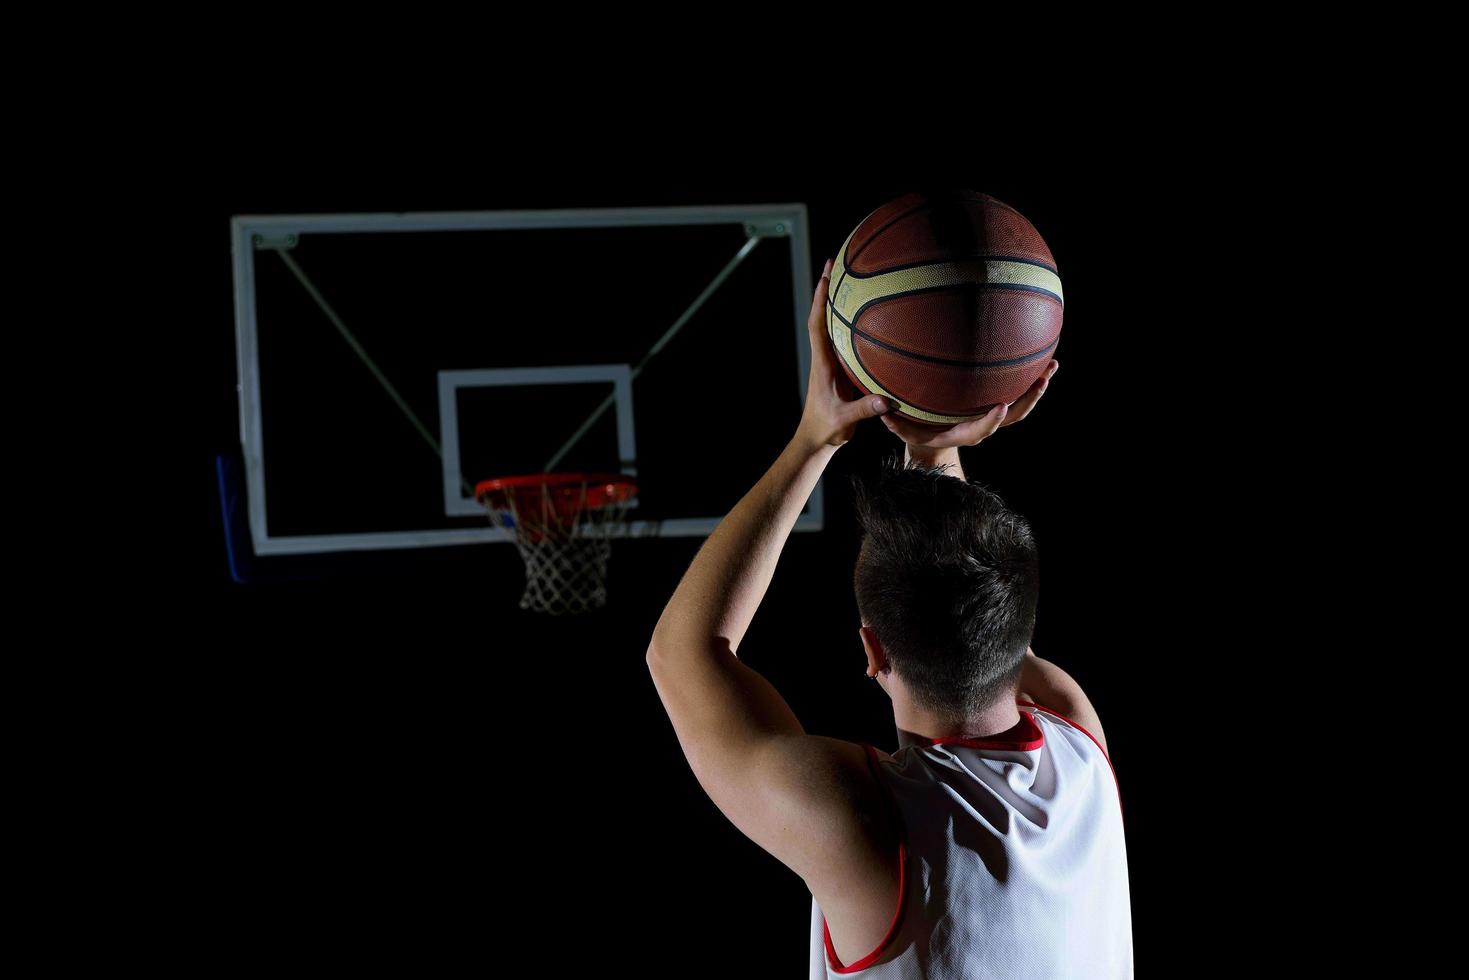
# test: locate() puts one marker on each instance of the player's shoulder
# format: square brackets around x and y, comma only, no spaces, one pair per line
[1081,716]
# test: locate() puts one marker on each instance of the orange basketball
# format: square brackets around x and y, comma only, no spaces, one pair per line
[946,303]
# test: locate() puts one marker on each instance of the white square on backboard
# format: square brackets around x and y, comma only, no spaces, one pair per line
[620,375]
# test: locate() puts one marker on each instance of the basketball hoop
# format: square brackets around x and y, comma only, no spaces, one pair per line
[563,525]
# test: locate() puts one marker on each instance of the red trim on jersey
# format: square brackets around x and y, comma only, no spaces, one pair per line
[832,960]
[1024,736]
[1088,735]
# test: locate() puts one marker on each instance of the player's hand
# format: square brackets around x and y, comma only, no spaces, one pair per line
[921,436]
[833,404]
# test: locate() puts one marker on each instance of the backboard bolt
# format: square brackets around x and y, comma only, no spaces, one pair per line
[266,243]
[767,229]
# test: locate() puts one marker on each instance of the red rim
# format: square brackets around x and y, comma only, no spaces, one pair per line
[602,488]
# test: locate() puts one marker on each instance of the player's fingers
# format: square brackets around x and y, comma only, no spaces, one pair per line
[1023,405]
[817,320]
[912,433]
[963,434]
[863,408]
[977,430]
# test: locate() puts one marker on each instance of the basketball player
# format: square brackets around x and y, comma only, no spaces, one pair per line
[990,843]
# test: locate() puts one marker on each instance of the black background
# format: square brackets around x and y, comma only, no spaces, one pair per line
[395,766]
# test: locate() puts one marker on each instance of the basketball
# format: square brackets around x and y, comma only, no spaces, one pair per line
[945,303]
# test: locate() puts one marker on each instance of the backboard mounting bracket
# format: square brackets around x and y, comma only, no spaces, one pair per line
[768,229]
[274,243]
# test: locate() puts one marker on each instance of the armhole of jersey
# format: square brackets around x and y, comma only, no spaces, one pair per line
[832,962]
[1088,734]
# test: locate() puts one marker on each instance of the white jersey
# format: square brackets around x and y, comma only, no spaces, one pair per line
[1013,862]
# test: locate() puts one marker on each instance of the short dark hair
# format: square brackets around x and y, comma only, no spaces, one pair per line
[948,578]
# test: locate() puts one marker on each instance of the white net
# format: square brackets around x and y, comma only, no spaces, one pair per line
[564,537]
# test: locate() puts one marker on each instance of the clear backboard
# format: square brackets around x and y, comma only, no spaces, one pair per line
[389,362]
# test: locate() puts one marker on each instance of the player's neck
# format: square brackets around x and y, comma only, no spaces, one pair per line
[918,728]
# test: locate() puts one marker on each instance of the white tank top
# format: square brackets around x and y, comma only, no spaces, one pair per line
[1012,860]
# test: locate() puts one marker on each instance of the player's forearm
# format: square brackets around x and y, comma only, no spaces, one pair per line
[935,457]
[728,578]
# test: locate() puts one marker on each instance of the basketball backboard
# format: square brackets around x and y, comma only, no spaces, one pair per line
[388,362]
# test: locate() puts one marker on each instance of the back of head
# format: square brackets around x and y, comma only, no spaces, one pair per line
[948,579]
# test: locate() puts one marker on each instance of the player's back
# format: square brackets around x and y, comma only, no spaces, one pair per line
[1014,861]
